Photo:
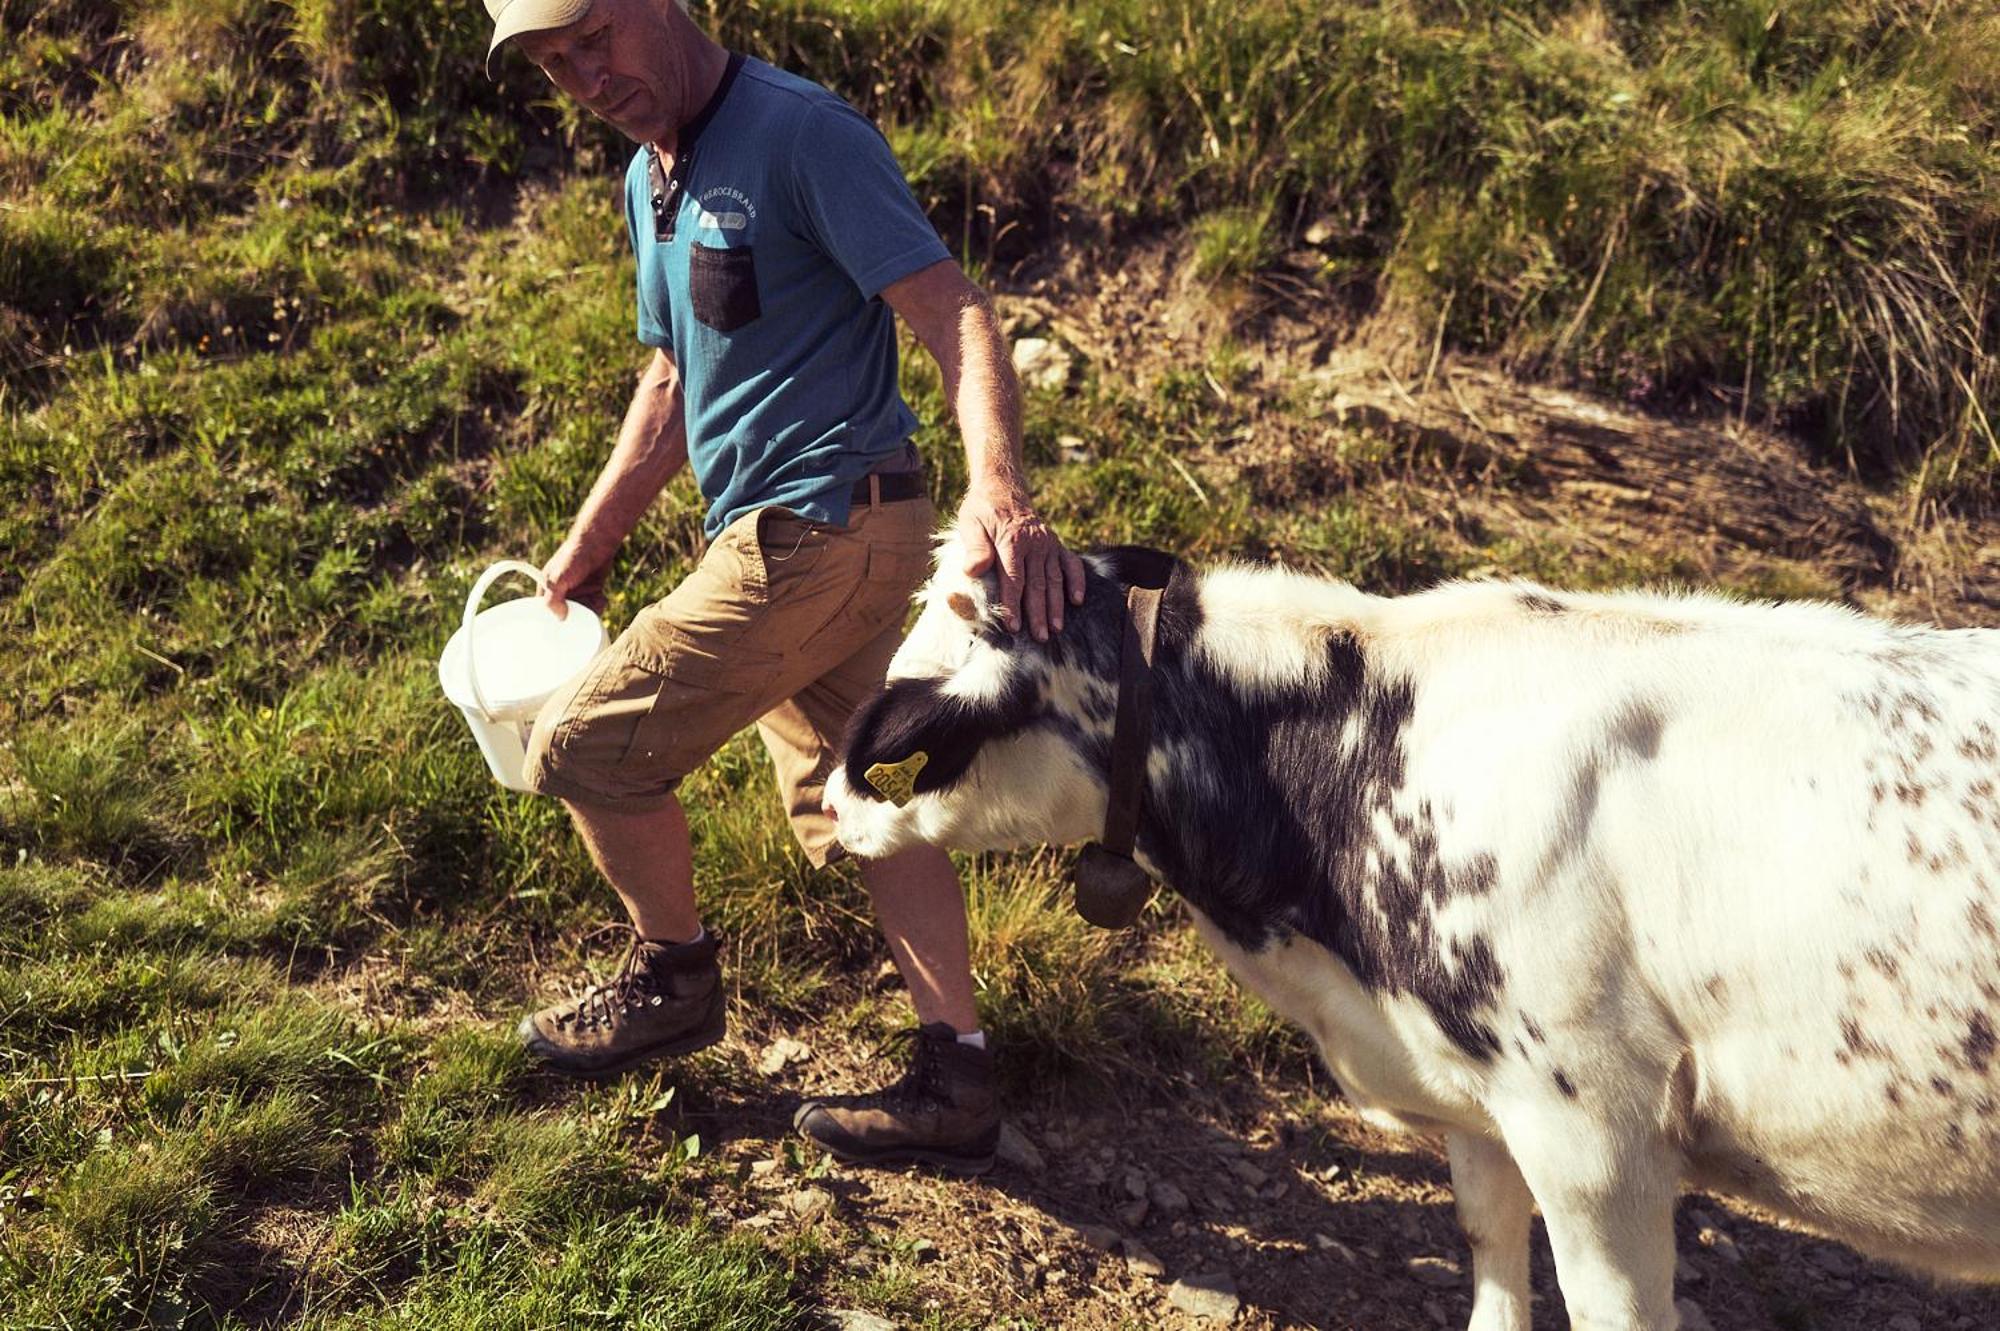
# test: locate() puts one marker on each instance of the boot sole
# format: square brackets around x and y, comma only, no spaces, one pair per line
[956,1165]
[686,1044]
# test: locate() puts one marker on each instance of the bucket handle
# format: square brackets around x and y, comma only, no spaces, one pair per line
[478,594]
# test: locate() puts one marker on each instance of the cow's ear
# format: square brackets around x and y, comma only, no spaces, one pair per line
[973,600]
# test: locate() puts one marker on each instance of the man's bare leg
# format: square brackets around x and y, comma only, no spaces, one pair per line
[667,998]
[649,861]
[920,907]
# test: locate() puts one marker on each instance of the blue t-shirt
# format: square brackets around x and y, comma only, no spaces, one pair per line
[789,216]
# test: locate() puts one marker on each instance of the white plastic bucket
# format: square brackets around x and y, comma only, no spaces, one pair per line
[504,663]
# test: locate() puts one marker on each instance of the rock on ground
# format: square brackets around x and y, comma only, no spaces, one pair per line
[1210,1296]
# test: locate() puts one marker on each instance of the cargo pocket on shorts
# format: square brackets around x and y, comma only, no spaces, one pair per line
[699,699]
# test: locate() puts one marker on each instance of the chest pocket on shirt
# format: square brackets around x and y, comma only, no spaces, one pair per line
[722,284]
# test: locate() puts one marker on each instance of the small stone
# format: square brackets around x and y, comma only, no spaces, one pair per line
[1042,364]
[1210,1296]
[1136,1183]
[809,1203]
[1327,1243]
[850,1319]
[1441,1272]
[1692,1317]
[1133,1214]
[1101,1237]
[1719,1243]
[763,1168]
[1248,1174]
[1018,1151]
[782,1053]
[1168,1199]
[1905,1322]
[1139,1259]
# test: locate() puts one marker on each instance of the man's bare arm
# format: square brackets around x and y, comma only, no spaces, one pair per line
[651,447]
[955,321]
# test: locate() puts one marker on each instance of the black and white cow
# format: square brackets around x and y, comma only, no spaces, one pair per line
[1618,893]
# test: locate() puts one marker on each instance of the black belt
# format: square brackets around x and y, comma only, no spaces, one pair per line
[888,487]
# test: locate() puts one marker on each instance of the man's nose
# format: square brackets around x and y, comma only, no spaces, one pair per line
[589,73]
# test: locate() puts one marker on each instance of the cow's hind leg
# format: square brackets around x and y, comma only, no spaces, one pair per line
[1607,1189]
[1497,1210]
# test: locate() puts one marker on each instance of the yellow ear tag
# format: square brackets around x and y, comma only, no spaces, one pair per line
[897,782]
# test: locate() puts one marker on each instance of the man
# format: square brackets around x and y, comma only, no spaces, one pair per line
[774,234]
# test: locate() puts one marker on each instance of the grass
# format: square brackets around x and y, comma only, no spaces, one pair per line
[302,322]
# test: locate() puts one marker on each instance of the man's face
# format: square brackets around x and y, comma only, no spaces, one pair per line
[618,60]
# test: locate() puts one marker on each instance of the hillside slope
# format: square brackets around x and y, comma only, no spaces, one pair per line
[302,323]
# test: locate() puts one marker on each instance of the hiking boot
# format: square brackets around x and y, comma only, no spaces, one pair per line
[665,999]
[945,1111]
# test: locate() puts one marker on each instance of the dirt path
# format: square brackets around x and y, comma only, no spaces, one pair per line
[1268,1186]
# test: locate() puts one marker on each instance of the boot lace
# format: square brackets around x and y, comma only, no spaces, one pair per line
[634,986]
[923,1084]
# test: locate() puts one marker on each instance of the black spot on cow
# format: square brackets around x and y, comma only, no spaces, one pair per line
[1978,1046]
[1635,731]
[1981,746]
[1288,842]
[1856,1043]
[1535,603]
[1565,1085]
[1533,1028]
[1981,921]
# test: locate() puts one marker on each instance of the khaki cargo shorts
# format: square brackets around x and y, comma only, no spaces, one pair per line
[786,622]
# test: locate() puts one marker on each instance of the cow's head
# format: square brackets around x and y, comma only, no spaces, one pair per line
[983,739]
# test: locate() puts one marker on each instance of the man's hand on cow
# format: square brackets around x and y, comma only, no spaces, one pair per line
[573,575]
[1000,526]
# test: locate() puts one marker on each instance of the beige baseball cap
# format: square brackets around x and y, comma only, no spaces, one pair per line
[511,18]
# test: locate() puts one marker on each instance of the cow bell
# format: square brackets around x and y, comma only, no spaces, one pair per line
[1111,889]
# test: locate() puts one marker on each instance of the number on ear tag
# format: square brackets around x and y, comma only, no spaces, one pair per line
[897,782]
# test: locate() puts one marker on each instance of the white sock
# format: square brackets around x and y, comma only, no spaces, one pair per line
[977,1039]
